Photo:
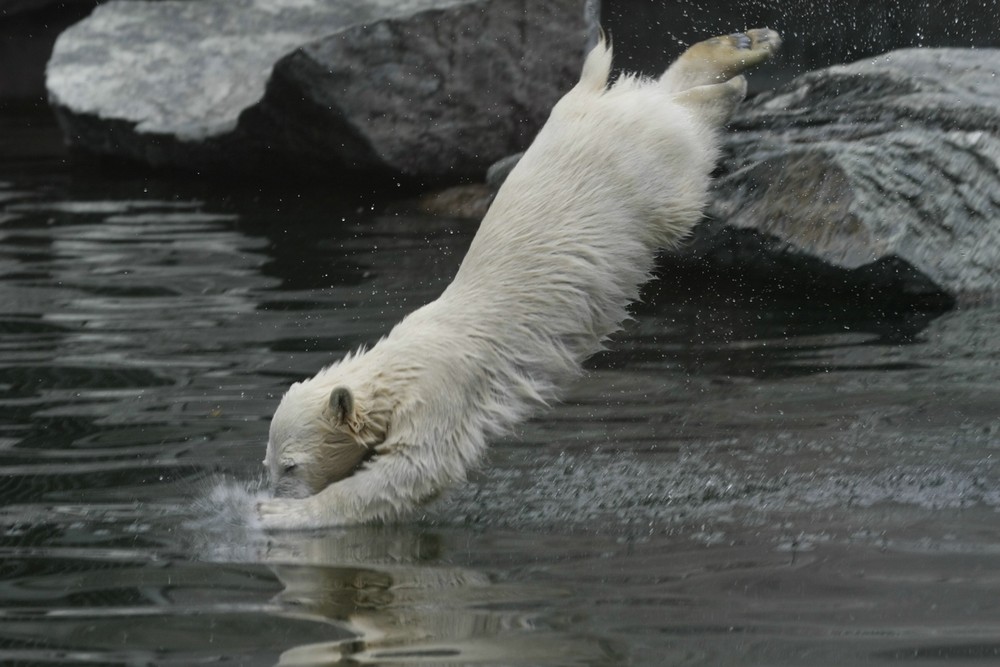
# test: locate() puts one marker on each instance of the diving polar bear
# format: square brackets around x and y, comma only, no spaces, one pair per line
[616,172]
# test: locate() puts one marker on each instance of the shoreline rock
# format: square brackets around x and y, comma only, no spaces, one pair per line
[428,89]
[891,158]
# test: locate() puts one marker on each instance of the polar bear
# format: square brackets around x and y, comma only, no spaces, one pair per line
[617,172]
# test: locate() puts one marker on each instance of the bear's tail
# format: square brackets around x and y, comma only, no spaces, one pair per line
[597,67]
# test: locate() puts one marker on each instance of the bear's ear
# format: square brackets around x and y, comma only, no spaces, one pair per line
[342,407]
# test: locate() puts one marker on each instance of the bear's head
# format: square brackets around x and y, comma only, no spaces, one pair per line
[319,436]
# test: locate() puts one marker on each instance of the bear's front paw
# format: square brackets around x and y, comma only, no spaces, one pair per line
[287,514]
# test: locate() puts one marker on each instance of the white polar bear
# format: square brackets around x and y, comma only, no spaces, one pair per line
[616,172]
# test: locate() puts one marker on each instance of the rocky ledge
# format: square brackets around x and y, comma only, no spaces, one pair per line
[887,170]
[434,89]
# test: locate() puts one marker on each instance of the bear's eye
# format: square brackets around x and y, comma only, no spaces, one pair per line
[289,467]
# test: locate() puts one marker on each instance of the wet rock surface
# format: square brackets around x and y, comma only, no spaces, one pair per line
[887,167]
[430,88]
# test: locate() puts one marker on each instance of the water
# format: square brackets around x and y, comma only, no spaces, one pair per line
[744,479]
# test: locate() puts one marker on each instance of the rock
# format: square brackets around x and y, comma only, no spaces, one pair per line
[499,170]
[436,89]
[469,202]
[889,167]
[28,29]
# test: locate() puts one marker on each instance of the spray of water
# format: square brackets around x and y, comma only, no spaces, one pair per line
[224,524]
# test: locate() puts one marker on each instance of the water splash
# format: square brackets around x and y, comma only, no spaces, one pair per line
[224,525]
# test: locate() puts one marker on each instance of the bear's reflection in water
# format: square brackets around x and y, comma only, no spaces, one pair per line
[390,589]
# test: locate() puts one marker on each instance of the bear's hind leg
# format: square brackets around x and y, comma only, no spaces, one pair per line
[714,104]
[719,59]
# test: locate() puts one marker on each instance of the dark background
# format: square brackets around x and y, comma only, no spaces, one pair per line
[816,33]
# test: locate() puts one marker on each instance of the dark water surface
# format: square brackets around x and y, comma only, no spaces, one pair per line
[745,479]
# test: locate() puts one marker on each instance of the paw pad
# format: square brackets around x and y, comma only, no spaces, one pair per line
[741,40]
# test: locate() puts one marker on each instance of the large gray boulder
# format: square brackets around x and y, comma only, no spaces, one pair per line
[887,168]
[429,88]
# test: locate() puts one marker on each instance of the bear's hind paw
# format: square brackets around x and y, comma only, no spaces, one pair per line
[721,58]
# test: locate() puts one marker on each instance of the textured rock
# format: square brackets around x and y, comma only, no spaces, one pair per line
[437,88]
[469,201]
[886,163]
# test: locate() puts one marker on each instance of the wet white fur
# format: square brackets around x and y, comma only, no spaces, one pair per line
[617,172]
